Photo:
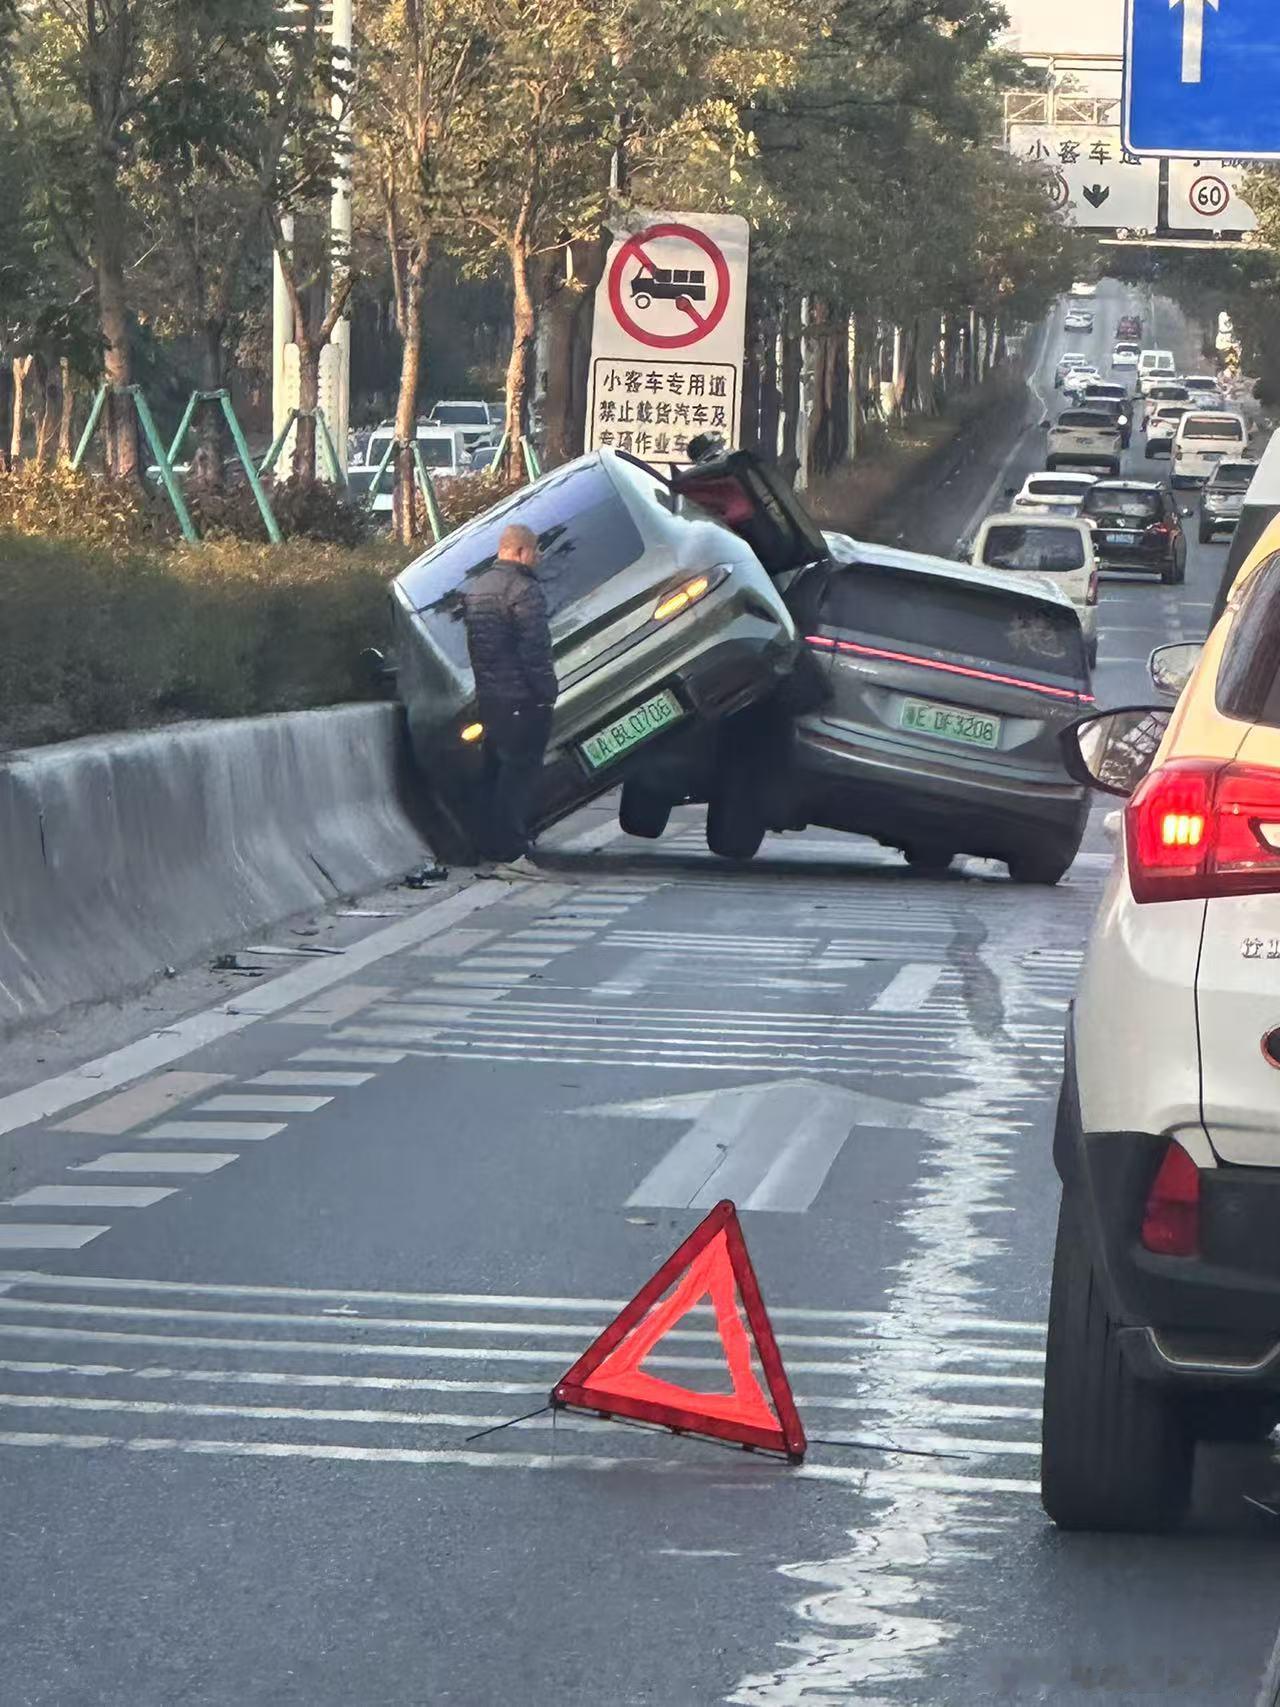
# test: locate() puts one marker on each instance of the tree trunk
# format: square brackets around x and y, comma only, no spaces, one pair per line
[568,301]
[926,399]
[47,390]
[752,378]
[405,503]
[67,419]
[524,328]
[792,360]
[122,453]
[899,380]
[209,461]
[18,411]
[770,396]
[304,443]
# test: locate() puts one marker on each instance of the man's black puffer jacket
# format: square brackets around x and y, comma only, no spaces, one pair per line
[508,637]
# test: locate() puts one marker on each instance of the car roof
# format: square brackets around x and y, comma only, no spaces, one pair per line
[1061,474]
[869,556]
[1129,486]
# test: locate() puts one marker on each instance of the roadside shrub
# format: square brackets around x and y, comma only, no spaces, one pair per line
[54,502]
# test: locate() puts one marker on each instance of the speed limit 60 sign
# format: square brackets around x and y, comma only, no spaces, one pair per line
[668,335]
[1205,195]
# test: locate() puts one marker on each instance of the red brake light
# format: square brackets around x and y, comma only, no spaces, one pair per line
[1161,528]
[1171,1219]
[1196,828]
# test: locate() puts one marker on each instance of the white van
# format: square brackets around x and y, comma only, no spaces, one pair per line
[1202,441]
[1057,549]
[444,451]
[1154,365]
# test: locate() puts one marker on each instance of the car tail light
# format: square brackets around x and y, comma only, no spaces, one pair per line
[472,733]
[679,598]
[1196,828]
[1171,1217]
[824,644]
[1161,529]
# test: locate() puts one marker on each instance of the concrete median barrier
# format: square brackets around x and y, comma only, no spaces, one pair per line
[125,854]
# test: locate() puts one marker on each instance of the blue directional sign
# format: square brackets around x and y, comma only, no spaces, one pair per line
[1202,77]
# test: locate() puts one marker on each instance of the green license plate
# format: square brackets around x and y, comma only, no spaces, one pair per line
[631,729]
[969,728]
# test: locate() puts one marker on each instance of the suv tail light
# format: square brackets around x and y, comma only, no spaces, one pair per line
[1162,529]
[1171,1218]
[1197,828]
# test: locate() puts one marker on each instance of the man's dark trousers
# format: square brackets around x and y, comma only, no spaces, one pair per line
[515,742]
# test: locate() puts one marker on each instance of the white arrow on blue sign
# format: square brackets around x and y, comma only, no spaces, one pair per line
[1200,78]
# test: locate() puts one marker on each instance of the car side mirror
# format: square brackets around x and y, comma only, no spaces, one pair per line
[1171,667]
[1114,750]
[1044,425]
[378,671]
[1011,491]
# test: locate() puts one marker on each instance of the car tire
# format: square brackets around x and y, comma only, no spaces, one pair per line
[1113,468]
[1116,1451]
[1206,534]
[735,814]
[1051,464]
[928,857]
[643,813]
[1091,653]
[1046,865]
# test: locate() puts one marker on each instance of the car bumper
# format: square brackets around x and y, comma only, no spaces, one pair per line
[1212,1320]
[1130,557]
[899,798]
[1218,519]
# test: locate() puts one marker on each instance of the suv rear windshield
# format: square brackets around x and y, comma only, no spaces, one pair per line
[461,414]
[1167,393]
[1033,547]
[1212,427]
[435,453]
[1098,388]
[1085,418]
[585,530]
[1046,486]
[987,627]
[1119,501]
[1200,382]
[1236,475]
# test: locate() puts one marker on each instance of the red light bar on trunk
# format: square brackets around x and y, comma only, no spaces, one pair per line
[821,641]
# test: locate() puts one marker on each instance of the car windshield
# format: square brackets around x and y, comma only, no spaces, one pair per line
[461,414]
[1100,389]
[585,531]
[1122,501]
[1085,418]
[1033,547]
[1168,414]
[436,453]
[1235,476]
[987,627]
[1169,393]
[1200,382]
[1126,350]
[1212,427]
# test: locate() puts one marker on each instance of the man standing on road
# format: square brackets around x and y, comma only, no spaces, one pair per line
[509,639]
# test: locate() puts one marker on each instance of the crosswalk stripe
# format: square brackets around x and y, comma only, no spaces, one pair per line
[242,1131]
[238,1103]
[157,1162]
[46,1236]
[91,1196]
[285,1076]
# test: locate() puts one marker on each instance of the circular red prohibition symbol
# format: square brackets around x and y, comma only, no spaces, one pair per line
[655,283]
[1209,195]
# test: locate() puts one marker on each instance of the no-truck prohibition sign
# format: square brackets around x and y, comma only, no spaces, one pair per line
[699,291]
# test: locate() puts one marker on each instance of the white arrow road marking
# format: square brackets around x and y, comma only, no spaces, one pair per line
[765,1146]
[1192,36]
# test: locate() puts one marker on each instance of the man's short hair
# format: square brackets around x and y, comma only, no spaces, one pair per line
[516,538]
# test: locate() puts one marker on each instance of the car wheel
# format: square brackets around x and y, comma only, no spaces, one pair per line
[1206,534]
[1169,574]
[1116,1451]
[735,817]
[1046,865]
[928,856]
[1113,468]
[641,812]
[1149,453]
[1092,653]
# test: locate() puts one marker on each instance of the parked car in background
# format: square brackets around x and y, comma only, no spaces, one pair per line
[1129,326]
[1136,525]
[480,421]
[1083,291]
[1154,366]
[1125,355]
[665,623]
[1073,359]
[1202,441]
[1085,437]
[481,458]
[1058,494]
[947,691]
[1223,497]
[1164,1317]
[1162,391]
[444,452]
[1162,428]
[1052,550]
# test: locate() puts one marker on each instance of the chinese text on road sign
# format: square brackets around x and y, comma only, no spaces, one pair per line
[1090,176]
[668,334]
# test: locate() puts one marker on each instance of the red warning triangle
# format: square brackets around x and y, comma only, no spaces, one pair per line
[711,1263]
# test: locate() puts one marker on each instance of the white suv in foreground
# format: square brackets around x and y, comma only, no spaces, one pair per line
[1164,1320]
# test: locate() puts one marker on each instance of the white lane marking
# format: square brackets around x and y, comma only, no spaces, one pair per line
[159,1048]
[238,1104]
[91,1196]
[158,1162]
[509,963]
[863,1480]
[239,1131]
[479,980]
[908,990]
[337,1005]
[36,1237]
[285,1076]
[471,1300]
[142,1102]
[357,1057]
[455,943]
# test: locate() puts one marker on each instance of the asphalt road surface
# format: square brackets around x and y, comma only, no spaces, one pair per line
[254,1305]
